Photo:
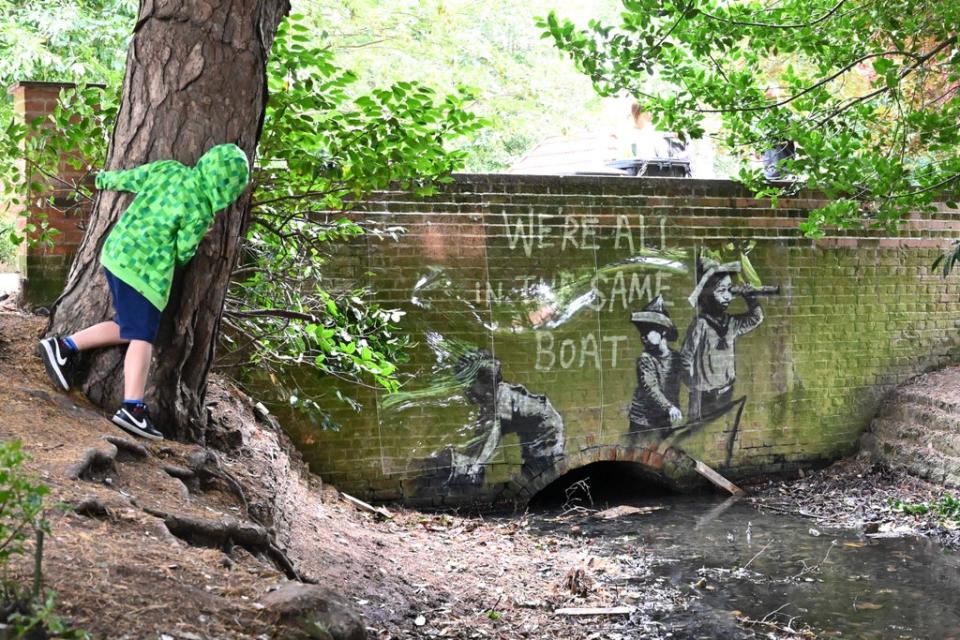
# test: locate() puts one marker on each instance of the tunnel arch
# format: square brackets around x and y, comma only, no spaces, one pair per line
[659,468]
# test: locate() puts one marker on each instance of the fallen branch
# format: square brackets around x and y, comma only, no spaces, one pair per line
[815,567]
[383,512]
[757,555]
[718,479]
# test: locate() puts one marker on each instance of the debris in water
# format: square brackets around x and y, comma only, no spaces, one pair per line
[595,611]
[624,510]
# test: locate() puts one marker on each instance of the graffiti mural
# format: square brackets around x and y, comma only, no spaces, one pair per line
[709,352]
[706,363]
[558,322]
[558,336]
[504,408]
[656,401]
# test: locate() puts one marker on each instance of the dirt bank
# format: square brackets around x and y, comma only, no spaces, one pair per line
[172,540]
[860,494]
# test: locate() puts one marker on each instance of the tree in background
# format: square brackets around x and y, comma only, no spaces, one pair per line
[524,90]
[77,41]
[865,90]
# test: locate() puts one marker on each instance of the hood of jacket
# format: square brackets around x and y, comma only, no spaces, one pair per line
[223,173]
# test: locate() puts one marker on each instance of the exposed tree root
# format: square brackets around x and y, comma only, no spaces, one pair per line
[128,446]
[181,473]
[225,534]
[96,461]
[92,507]
[204,471]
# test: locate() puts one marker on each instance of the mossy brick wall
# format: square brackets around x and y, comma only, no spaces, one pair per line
[544,272]
[44,269]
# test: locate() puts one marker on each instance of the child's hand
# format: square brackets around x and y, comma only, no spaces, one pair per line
[675,415]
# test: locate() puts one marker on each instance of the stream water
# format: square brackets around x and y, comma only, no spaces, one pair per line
[779,569]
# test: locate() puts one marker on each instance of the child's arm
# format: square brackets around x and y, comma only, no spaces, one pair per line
[124,180]
[189,236]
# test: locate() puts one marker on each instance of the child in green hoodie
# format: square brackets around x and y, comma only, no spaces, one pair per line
[161,229]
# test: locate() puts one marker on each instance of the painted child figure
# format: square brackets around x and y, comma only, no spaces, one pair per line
[162,228]
[709,349]
[656,400]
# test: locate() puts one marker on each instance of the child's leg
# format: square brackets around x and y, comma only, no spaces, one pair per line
[105,334]
[136,365]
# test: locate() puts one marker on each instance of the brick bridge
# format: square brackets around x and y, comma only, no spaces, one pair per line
[532,300]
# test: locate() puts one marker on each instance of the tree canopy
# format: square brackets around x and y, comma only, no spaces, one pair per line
[867,90]
[64,40]
[522,87]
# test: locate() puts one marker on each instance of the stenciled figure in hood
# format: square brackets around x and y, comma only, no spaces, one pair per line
[504,408]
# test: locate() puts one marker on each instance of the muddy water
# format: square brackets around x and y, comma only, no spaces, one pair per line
[781,569]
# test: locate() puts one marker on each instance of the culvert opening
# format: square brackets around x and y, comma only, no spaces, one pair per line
[600,485]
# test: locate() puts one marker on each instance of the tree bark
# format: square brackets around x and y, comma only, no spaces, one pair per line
[196,77]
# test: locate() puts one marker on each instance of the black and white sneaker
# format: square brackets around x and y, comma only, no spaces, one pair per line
[59,361]
[136,420]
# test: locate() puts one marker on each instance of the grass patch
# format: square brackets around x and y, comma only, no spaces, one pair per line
[947,507]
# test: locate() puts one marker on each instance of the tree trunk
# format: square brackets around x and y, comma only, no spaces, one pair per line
[196,77]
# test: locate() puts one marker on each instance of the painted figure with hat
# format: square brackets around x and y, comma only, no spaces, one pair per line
[708,350]
[655,405]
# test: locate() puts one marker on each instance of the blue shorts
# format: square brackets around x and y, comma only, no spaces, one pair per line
[137,317]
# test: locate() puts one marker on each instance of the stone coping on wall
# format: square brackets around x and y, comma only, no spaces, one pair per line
[724,192]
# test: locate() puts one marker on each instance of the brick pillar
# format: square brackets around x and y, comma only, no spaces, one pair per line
[43,270]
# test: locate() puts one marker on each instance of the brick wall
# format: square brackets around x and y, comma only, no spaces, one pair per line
[541,274]
[44,269]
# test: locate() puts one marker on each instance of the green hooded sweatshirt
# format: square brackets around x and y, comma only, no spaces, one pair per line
[165,223]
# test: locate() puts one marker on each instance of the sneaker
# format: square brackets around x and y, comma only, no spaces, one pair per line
[59,362]
[137,421]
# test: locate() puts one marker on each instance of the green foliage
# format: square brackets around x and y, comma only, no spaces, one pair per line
[64,40]
[947,507]
[75,133]
[22,517]
[21,502]
[41,620]
[326,146]
[866,89]
[78,41]
[8,244]
[523,89]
